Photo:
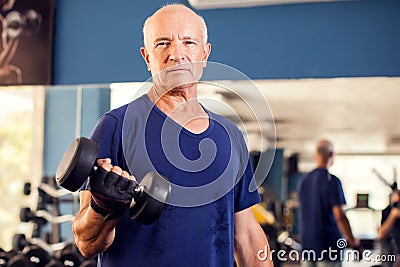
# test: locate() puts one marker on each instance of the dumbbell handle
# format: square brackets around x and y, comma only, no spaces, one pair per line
[54,219]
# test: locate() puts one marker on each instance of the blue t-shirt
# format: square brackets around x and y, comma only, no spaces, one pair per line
[319,191]
[191,230]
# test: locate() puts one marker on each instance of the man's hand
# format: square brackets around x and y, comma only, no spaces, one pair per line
[112,190]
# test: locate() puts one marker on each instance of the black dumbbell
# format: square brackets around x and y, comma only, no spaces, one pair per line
[41,217]
[37,256]
[70,256]
[26,215]
[47,190]
[79,162]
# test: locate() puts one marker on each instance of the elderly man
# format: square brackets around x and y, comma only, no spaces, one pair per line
[212,233]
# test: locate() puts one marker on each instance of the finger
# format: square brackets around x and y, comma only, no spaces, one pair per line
[124,181]
[117,170]
[111,179]
[130,177]
[125,174]
[105,164]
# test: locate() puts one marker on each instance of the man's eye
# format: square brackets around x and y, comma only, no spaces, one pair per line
[162,44]
[188,42]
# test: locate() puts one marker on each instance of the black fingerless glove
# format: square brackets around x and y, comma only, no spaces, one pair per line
[111,193]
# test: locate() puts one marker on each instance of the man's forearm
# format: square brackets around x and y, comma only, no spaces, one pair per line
[385,228]
[249,254]
[251,244]
[92,233]
[345,229]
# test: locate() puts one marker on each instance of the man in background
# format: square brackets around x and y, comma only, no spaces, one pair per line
[323,221]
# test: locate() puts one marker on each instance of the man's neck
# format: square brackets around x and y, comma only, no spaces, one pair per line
[323,164]
[183,107]
[184,99]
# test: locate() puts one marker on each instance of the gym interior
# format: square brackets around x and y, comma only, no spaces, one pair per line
[287,73]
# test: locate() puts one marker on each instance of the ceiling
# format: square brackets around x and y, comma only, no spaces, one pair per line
[359,115]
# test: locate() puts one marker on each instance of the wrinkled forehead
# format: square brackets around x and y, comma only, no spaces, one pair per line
[176,28]
[172,23]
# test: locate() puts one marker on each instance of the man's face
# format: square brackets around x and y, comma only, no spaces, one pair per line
[174,48]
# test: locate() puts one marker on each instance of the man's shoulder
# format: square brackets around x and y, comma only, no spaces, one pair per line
[314,175]
[335,178]
[309,174]
[119,112]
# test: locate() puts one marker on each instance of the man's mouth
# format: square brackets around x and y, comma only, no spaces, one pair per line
[177,70]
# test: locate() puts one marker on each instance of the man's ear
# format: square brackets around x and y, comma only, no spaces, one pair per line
[145,55]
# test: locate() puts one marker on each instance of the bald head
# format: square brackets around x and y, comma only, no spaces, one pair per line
[176,11]
[324,153]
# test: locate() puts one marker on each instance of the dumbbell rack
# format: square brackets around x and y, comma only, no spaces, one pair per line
[46,199]
[33,248]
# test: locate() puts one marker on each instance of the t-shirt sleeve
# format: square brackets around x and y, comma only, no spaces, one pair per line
[104,135]
[244,196]
[336,196]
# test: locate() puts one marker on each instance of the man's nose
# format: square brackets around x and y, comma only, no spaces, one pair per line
[176,53]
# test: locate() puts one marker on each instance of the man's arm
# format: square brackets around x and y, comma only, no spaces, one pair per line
[344,226]
[388,224]
[249,240]
[94,229]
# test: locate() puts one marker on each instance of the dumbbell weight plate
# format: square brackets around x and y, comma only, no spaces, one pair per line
[148,204]
[27,189]
[5,257]
[19,261]
[71,257]
[18,242]
[25,214]
[76,164]
[37,256]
